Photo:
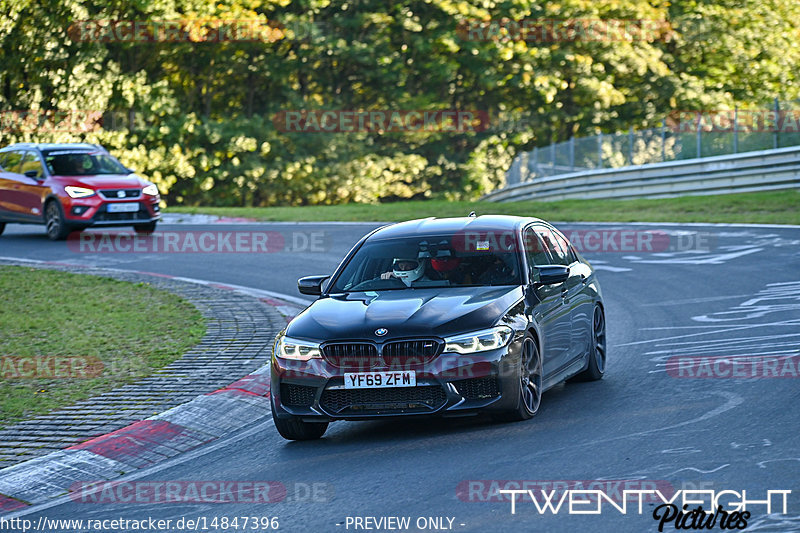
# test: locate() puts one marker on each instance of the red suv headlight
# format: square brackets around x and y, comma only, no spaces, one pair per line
[78,192]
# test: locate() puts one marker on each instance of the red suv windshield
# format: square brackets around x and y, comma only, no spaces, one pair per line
[74,163]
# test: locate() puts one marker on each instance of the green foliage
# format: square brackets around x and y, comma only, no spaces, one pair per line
[197,117]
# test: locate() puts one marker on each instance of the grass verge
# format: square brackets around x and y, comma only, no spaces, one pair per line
[65,337]
[779,207]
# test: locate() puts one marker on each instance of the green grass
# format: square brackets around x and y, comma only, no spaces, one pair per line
[780,207]
[49,316]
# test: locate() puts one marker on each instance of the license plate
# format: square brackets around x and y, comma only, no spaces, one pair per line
[123,208]
[379,380]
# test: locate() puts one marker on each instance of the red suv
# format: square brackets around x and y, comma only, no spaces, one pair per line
[70,187]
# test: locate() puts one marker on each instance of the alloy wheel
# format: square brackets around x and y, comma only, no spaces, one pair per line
[531,376]
[53,220]
[599,339]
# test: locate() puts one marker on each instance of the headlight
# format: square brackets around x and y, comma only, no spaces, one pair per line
[288,348]
[78,192]
[150,190]
[479,341]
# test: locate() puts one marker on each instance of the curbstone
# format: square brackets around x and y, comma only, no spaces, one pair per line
[203,392]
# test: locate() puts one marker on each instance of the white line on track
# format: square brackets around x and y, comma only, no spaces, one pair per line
[723,329]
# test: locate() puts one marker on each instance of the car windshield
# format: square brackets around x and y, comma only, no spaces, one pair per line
[422,262]
[75,163]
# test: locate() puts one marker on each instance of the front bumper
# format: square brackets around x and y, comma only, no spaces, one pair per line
[449,385]
[94,211]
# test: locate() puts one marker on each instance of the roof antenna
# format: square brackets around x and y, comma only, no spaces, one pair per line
[472,214]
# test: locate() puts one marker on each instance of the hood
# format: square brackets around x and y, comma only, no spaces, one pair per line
[405,313]
[105,181]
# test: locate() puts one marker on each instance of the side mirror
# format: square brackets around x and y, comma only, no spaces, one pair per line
[311,285]
[552,274]
[31,174]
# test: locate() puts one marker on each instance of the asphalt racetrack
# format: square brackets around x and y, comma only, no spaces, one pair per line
[674,412]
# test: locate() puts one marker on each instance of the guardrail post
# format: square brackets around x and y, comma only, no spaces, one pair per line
[630,146]
[699,133]
[572,153]
[553,156]
[600,150]
[775,132]
[524,170]
[735,130]
[663,139]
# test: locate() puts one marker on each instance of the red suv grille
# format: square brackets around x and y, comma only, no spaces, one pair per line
[114,194]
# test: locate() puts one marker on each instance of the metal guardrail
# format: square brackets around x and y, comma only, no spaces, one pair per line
[752,171]
[682,135]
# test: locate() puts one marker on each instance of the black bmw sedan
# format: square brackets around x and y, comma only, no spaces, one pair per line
[445,317]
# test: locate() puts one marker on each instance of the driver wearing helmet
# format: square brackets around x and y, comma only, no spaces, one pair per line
[407,270]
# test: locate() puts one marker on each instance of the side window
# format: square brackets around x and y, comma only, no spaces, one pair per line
[30,163]
[562,241]
[549,238]
[535,251]
[12,160]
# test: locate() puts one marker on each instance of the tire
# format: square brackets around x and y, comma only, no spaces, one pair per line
[529,383]
[597,351]
[57,227]
[293,428]
[145,229]
[2,227]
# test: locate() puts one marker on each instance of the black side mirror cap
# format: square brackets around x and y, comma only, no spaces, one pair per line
[32,174]
[311,285]
[552,274]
